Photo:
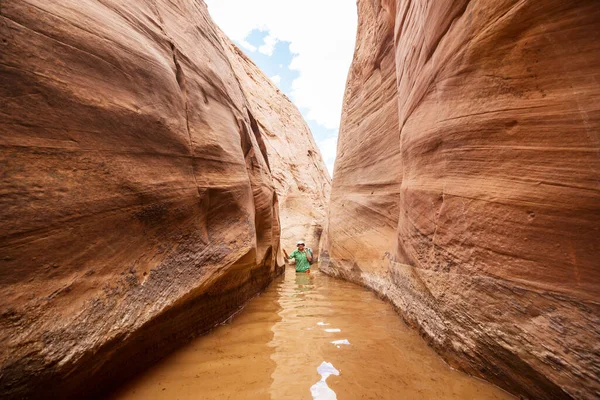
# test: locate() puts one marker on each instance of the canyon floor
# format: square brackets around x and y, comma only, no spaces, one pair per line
[285,341]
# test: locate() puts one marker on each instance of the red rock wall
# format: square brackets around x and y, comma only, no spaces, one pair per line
[300,176]
[363,210]
[137,203]
[490,244]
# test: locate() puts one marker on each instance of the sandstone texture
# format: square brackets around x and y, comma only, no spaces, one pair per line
[466,186]
[137,198]
[300,176]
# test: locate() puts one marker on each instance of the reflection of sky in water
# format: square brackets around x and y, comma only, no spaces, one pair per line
[333,330]
[320,390]
[322,324]
[343,341]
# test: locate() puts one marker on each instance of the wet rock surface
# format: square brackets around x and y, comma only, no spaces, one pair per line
[138,204]
[466,184]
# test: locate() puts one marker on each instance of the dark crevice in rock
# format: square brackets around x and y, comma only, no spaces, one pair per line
[259,139]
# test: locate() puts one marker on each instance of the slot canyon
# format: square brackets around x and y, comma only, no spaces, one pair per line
[152,176]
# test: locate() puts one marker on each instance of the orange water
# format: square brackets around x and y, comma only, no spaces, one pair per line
[280,345]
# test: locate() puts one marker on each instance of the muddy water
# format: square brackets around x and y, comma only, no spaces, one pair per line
[308,337]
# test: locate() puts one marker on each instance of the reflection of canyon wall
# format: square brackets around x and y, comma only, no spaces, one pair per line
[138,204]
[466,185]
[299,174]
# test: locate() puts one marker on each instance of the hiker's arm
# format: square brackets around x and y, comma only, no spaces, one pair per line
[309,255]
[286,254]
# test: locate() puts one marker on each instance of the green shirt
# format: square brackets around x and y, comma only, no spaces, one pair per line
[302,264]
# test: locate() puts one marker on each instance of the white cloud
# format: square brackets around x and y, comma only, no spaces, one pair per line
[276,79]
[328,148]
[269,45]
[247,46]
[321,35]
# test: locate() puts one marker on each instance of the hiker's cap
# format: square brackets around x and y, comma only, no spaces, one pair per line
[300,242]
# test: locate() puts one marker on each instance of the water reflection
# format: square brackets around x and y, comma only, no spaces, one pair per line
[343,341]
[320,390]
[270,350]
[233,361]
[303,283]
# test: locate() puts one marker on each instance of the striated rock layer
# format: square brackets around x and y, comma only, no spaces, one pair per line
[466,183]
[137,200]
[300,176]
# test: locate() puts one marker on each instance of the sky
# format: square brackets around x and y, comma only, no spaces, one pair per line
[305,47]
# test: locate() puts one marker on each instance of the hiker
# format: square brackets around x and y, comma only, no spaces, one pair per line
[303,257]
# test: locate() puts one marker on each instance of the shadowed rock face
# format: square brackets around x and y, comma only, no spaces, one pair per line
[137,201]
[466,184]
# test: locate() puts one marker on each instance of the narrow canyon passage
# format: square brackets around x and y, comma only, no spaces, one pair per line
[155,162]
[284,342]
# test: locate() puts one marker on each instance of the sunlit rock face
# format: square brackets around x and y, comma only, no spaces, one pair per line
[466,184]
[138,204]
[300,176]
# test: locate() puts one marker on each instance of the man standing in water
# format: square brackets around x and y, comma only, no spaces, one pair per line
[302,256]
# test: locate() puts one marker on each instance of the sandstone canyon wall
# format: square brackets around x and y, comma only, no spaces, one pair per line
[467,188]
[300,176]
[138,204]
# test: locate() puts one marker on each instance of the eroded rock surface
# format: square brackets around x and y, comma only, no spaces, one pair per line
[300,176]
[473,202]
[137,202]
